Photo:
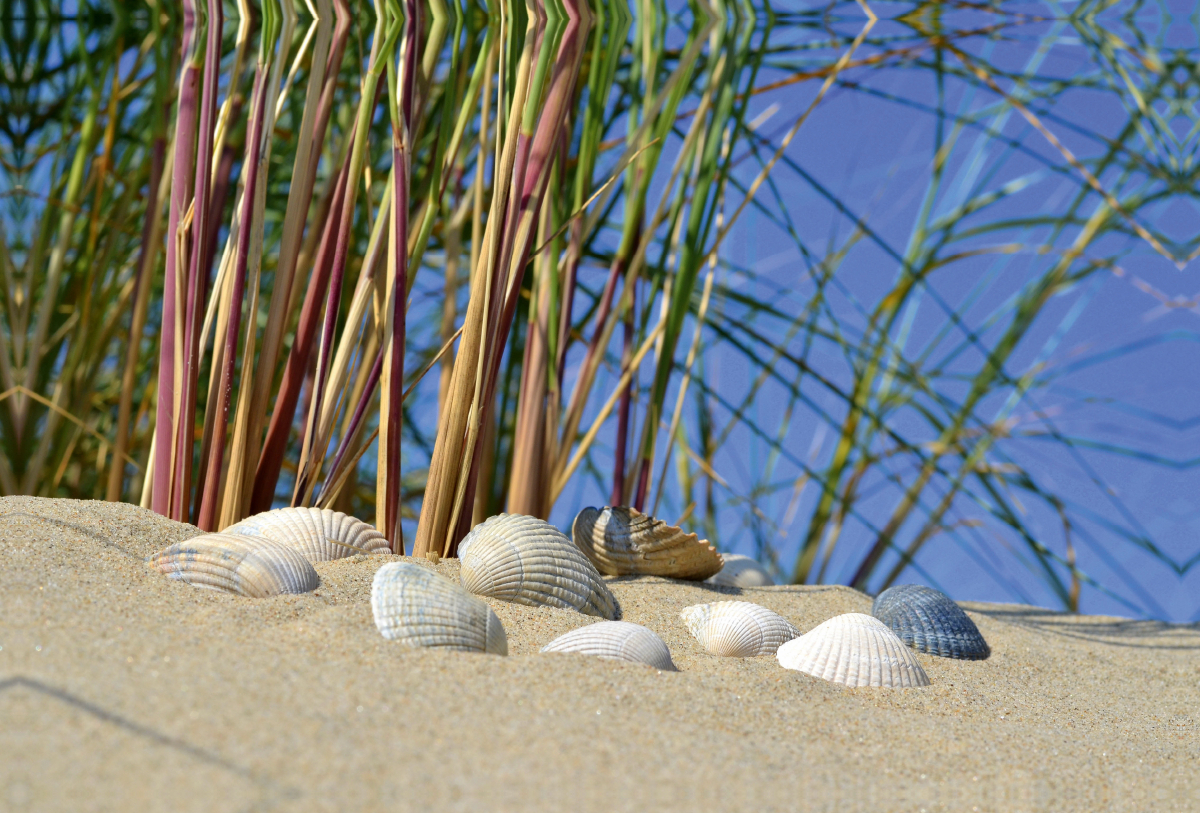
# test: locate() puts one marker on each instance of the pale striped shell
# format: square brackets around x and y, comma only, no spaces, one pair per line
[414,605]
[255,568]
[737,629]
[929,621]
[616,640]
[525,560]
[741,571]
[623,541]
[321,535]
[856,650]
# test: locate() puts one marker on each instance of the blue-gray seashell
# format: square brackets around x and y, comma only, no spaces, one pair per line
[928,621]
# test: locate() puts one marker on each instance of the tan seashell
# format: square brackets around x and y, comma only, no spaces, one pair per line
[737,629]
[616,640]
[741,571]
[321,535]
[525,560]
[414,605]
[856,650]
[623,541]
[252,567]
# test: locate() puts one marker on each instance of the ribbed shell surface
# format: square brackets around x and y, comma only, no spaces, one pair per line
[855,650]
[528,561]
[929,621]
[737,629]
[419,608]
[616,640]
[251,567]
[622,541]
[321,535]
[741,571]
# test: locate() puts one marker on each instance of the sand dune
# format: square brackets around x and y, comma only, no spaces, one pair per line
[121,690]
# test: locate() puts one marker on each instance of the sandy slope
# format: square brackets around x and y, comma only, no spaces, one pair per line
[120,690]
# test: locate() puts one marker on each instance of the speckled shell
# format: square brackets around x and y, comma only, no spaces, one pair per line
[616,640]
[525,560]
[737,629]
[623,541]
[321,535]
[414,605]
[255,568]
[928,621]
[855,650]
[741,571]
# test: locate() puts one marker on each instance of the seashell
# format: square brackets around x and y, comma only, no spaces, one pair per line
[741,571]
[929,621]
[856,650]
[321,535]
[525,560]
[737,629]
[622,541]
[618,641]
[256,568]
[414,605]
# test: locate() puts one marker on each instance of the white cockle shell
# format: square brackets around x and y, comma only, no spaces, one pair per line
[528,561]
[251,567]
[616,640]
[320,534]
[856,650]
[414,605]
[623,541]
[741,571]
[737,629]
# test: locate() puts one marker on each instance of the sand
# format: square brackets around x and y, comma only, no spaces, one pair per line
[122,690]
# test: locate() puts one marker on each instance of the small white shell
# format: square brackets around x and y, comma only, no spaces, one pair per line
[737,629]
[623,541]
[255,568]
[856,650]
[616,640]
[741,571]
[321,535]
[525,560]
[414,605]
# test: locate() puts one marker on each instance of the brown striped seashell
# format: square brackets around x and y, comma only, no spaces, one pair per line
[255,568]
[622,541]
[528,561]
[741,571]
[321,535]
[737,629]
[415,606]
[618,641]
[855,650]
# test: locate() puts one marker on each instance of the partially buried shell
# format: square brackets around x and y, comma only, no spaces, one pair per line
[525,560]
[929,621]
[856,650]
[741,571]
[419,608]
[321,535]
[623,541]
[737,629]
[616,640]
[256,568]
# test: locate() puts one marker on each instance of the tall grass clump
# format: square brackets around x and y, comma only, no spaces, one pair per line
[429,260]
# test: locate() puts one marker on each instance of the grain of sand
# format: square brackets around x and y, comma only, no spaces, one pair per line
[122,690]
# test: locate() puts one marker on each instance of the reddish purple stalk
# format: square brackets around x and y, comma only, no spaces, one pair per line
[197,267]
[208,505]
[400,193]
[185,134]
[618,492]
